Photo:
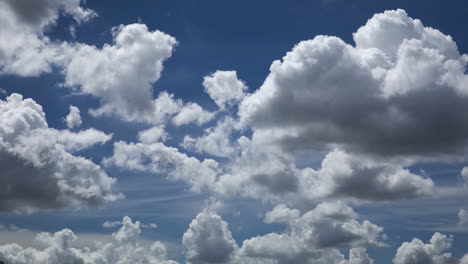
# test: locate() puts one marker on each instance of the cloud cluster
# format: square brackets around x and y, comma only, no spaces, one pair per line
[416,252]
[38,169]
[58,249]
[326,93]
[161,159]
[311,238]
[25,50]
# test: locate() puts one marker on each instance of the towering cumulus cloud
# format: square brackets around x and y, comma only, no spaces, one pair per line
[38,169]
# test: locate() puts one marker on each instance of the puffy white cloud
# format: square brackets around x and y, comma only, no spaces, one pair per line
[416,252]
[216,140]
[121,75]
[38,171]
[282,214]
[208,240]
[59,248]
[326,93]
[464,174]
[310,238]
[359,256]
[224,88]
[462,217]
[266,172]
[192,112]
[73,119]
[24,49]
[152,135]
[161,159]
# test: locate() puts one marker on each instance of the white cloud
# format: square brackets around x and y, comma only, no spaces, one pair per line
[59,248]
[310,238]
[121,75]
[464,174]
[208,240]
[73,119]
[462,217]
[152,135]
[161,159]
[24,49]
[416,252]
[224,88]
[326,93]
[192,113]
[39,172]
[281,214]
[216,140]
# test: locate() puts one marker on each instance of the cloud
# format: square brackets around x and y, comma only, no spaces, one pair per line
[224,88]
[112,224]
[462,217]
[266,172]
[121,75]
[208,240]
[59,248]
[192,113]
[24,48]
[326,93]
[152,135]
[308,239]
[38,170]
[161,159]
[73,119]
[416,252]
[216,141]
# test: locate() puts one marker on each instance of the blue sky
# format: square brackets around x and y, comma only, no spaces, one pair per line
[321,136]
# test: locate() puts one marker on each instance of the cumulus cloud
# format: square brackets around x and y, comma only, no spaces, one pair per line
[59,248]
[216,141]
[73,119]
[152,135]
[192,113]
[24,48]
[224,88]
[462,217]
[121,75]
[38,170]
[208,240]
[416,252]
[310,238]
[161,159]
[326,93]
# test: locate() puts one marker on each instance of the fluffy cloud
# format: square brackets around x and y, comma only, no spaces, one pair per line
[192,112]
[462,217]
[326,93]
[224,88]
[73,119]
[58,249]
[310,238]
[266,172]
[38,170]
[208,240]
[24,49]
[216,140]
[416,252]
[152,135]
[161,159]
[121,75]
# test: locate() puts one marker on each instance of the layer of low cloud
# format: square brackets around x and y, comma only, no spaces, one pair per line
[59,248]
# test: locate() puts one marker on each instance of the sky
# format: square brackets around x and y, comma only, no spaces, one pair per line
[236,132]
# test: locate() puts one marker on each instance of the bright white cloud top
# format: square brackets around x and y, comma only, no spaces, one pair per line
[332,122]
